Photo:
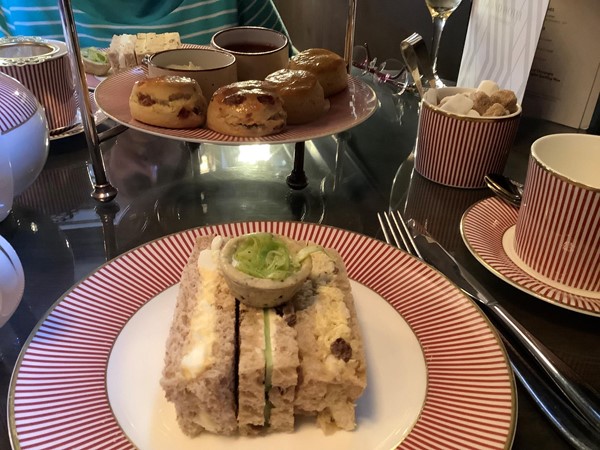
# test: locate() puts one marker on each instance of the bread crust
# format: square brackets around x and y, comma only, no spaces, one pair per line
[205,400]
[302,94]
[169,102]
[251,371]
[247,109]
[329,383]
[327,66]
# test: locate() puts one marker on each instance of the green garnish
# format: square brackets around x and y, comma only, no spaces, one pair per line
[264,256]
[94,55]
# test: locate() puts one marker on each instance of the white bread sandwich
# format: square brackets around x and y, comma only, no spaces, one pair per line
[232,367]
[121,52]
[129,50]
[150,43]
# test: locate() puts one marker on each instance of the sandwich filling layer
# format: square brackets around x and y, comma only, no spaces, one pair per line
[198,354]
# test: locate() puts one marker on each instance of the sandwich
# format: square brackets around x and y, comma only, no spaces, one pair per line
[129,50]
[234,368]
[150,43]
[121,53]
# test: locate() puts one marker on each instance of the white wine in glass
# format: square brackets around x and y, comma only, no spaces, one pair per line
[440,10]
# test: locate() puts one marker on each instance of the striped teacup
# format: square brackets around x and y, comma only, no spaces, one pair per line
[459,151]
[557,233]
[43,66]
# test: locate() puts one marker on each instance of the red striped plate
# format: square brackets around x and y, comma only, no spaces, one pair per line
[58,394]
[487,229]
[347,109]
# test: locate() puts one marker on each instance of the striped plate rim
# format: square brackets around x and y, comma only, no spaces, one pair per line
[347,109]
[484,241]
[58,389]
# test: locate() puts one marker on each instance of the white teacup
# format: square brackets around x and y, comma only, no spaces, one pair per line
[258,51]
[557,233]
[209,67]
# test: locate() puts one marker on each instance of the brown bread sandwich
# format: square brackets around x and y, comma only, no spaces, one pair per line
[230,367]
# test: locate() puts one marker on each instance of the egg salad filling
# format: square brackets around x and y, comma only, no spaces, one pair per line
[332,323]
[198,355]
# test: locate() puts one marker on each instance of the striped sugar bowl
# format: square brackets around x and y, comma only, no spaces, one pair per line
[43,67]
[459,151]
[557,233]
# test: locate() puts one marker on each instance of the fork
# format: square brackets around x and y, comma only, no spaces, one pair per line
[578,431]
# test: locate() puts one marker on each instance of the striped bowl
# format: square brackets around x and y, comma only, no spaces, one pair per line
[43,67]
[557,232]
[459,151]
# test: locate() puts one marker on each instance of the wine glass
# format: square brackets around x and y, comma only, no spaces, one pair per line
[440,10]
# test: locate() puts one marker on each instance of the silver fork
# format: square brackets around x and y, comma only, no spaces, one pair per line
[578,431]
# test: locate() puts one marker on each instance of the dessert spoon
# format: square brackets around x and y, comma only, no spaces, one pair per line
[508,190]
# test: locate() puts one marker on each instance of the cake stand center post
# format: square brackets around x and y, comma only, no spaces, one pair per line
[103,191]
[297,178]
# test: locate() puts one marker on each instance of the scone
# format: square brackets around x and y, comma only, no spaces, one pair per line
[302,94]
[329,68]
[247,108]
[168,101]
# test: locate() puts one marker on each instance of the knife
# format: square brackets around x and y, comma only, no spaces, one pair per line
[560,412]
[583,397]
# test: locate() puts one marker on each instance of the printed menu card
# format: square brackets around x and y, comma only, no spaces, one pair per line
[501,41]
[564,83]
[544,50]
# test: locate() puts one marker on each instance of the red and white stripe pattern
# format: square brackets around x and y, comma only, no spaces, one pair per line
[558,229]
[17,104]
[72,184]
[51,83]
[439,208]
[347,109]
[58,395]
[460,151]
[483,227]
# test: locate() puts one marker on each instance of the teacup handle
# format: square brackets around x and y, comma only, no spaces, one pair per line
[146,59]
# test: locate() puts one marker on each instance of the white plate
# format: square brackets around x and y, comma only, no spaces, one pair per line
[75,377]
[487,229]
[149,420]
[347,109]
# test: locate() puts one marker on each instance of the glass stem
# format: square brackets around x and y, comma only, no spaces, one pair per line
[438,28]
